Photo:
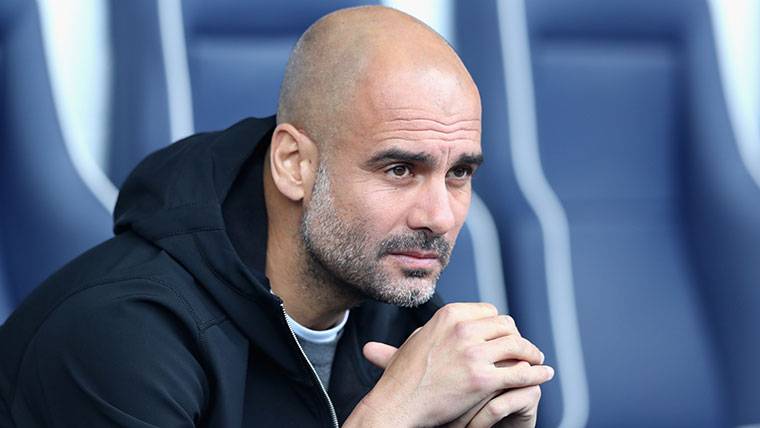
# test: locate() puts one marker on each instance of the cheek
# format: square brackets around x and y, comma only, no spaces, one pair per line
[383,211]
[375,211]
[380,211]
[459,199]
[460,205]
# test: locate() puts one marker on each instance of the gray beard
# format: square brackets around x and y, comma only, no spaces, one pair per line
[341,268]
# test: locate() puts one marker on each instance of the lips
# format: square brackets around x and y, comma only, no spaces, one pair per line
[415,259]
[417,254]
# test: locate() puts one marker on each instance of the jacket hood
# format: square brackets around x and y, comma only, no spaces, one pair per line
[186,199]
[181,188]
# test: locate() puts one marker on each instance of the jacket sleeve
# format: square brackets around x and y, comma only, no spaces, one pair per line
[104,359]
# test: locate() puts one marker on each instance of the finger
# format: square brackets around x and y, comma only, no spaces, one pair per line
[510,363]
[465,419]
[379,354]
[488,328]
[521,375]
[457,312]
[510,348]
[519,404]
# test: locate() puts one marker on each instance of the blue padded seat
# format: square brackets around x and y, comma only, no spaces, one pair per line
[237,52]
[48,214]
[457,282]
[139,109]
[635,143]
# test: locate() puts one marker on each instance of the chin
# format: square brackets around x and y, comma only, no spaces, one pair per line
[410,291]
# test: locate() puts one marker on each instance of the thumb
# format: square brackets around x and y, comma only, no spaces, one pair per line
[379,354]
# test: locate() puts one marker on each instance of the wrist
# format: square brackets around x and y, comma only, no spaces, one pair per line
[377,410]
[365,416]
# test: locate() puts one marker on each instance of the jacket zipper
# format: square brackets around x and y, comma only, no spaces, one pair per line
[313,371]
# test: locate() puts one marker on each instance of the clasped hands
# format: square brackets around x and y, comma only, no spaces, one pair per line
[467,367]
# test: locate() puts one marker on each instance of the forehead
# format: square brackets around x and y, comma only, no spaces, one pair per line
[419,130]
[390,92]
[429,110]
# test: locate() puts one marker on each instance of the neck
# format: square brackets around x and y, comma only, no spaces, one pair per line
[311,296]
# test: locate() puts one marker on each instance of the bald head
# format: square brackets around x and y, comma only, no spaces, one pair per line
[377,139]
[349,58]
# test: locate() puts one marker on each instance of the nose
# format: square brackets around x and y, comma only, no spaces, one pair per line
[433,210]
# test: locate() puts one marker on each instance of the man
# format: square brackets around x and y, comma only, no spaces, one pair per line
[258,273]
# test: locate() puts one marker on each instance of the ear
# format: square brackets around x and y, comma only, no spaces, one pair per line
[293,161]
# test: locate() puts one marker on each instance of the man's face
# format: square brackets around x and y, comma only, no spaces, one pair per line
[388,201]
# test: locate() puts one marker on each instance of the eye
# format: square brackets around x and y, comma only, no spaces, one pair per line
[460,172]
[399,171]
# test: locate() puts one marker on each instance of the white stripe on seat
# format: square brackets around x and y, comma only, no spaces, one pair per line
[487,255]
[178,88]
[547,208]
[736,33]
[76,148]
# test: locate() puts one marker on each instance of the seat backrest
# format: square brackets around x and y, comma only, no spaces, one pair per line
[139,109]
[721,204]
[596,206]
[237,52]
[48,214]
[474,273]
[190,66]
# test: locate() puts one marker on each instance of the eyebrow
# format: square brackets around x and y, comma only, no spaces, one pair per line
[470,159]
[398,155]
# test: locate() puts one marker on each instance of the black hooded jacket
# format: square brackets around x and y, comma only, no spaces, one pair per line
[171,323]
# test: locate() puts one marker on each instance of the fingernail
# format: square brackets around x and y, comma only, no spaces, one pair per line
[551,371]
[542,357]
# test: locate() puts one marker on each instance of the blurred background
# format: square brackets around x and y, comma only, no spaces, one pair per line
[617,216]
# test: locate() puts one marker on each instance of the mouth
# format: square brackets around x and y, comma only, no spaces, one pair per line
[416,260]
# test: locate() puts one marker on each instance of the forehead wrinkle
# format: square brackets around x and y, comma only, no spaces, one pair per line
[412,113]
[434,125]
[427,134]
[413,120]
[448,156]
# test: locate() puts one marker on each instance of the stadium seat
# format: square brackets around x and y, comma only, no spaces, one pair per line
[628,224]
[237,51]
[139,110]
[192,66]
[48,213]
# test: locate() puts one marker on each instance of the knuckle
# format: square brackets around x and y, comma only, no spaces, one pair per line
[489,309]
[513,344]
[471,354]
[449,312]
[508,322]
[463,330]
[496,409]
[526,347]
[477,380]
